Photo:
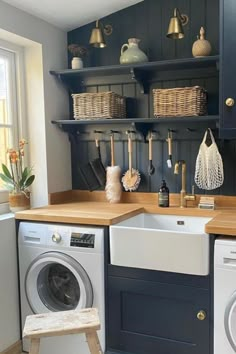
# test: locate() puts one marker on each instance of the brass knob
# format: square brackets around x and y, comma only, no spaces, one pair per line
[201,315]
[56,237]
[229,102]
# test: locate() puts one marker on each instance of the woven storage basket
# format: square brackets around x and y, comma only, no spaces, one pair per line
[180,102]
[98,105]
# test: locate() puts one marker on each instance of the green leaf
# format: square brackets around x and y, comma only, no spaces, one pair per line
[6,171]
[6,179]
[25,175]
[29,181]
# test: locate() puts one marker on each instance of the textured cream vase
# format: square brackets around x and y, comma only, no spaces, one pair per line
[201,47]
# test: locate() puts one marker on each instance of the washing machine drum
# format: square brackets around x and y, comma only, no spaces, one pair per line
[57,282]
[230,321]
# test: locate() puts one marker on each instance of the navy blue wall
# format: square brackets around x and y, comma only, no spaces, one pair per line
[148,21]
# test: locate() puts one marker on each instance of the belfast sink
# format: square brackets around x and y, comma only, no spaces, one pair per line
[168,243]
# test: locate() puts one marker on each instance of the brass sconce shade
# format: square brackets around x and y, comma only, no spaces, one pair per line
[97,36]
[175,30]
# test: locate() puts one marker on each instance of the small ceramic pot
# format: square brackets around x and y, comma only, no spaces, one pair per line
[77,63]
[19,201]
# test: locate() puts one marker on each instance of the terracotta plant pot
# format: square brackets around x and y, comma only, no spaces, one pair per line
[19,201]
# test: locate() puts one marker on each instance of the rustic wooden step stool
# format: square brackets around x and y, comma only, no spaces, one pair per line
[63,323]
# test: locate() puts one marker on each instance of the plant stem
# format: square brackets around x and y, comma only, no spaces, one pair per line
[12,172]
[17,176]
[20,160]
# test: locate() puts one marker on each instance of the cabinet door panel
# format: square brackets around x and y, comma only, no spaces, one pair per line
[227,68]
[153,317]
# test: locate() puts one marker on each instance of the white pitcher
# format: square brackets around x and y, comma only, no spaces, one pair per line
[131,53]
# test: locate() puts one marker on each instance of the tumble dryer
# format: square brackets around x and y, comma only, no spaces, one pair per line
[61,268]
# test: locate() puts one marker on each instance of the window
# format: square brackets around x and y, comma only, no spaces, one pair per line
[9,106]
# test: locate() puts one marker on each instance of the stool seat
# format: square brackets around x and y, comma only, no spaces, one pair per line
[63,323]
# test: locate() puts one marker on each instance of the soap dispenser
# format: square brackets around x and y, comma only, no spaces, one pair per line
[163,195]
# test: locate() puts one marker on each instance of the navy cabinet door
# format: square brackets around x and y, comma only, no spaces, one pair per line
[227,68]
[153,317]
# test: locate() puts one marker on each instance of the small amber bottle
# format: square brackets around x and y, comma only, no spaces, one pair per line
[163,195]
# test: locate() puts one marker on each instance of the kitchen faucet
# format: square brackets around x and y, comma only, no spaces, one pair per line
[183,196]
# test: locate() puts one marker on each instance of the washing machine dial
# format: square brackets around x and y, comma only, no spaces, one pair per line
[56,237]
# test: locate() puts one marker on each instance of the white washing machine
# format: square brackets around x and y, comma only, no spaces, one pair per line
[61,268]
[225,296]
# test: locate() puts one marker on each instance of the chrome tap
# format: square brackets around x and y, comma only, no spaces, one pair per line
[183,196]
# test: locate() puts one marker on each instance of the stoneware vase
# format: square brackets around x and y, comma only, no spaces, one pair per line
[201,47]
[131,53]
[77,63]
[19,201]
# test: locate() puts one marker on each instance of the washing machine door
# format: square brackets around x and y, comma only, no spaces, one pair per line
[230,320]
[57,282]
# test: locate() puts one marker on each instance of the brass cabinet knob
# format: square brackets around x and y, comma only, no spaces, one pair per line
[229,102]
[56,237]
[201,315]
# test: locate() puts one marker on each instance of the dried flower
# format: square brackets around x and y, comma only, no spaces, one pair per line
[77,50]
[18,178]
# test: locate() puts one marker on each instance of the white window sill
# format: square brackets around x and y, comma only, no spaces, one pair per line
[5,211]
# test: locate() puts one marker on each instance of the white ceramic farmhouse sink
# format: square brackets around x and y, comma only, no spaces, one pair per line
[161,242]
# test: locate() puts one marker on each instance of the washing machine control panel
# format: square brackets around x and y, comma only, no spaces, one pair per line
[56,237]
[82,240]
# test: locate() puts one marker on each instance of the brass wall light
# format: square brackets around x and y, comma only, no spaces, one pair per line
[97,35]
[175,30]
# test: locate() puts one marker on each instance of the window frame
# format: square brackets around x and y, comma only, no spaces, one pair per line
[15,55]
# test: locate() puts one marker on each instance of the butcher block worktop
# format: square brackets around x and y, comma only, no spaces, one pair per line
[92,213]
[91,208]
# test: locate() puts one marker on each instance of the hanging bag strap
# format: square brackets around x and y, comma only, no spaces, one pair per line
[211,136]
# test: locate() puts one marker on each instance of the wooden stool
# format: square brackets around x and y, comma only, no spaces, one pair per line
[62,323]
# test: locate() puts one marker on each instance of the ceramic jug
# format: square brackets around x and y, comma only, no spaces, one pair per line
[201,47]
[131,53]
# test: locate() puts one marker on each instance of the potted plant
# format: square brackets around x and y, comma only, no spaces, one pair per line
[17,178]
[78,52]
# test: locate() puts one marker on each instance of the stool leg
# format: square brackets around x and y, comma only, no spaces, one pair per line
[34,346]
[93,342]
[98,342]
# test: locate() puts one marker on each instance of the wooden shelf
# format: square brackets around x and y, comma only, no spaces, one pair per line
[139,72]
[176,64]
[72,122]
[142,125]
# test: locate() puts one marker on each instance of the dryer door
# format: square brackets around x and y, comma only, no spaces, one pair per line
[57,282]
[230,320]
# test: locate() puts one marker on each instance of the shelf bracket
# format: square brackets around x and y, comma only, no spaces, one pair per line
[64,82]
[69,84]
[143,129]
[140,79]
[66,128]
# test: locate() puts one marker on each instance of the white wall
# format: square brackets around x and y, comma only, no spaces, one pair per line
[45,49]
[9,308]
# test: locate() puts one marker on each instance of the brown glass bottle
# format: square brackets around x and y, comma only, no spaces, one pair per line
[163,195]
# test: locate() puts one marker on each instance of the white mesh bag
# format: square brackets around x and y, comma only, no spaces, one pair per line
[209,172]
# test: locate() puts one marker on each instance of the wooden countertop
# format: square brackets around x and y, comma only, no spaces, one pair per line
[92,213]
[222,224]
[97,211]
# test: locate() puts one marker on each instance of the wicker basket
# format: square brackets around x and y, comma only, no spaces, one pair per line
[98,105]
[180,102]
